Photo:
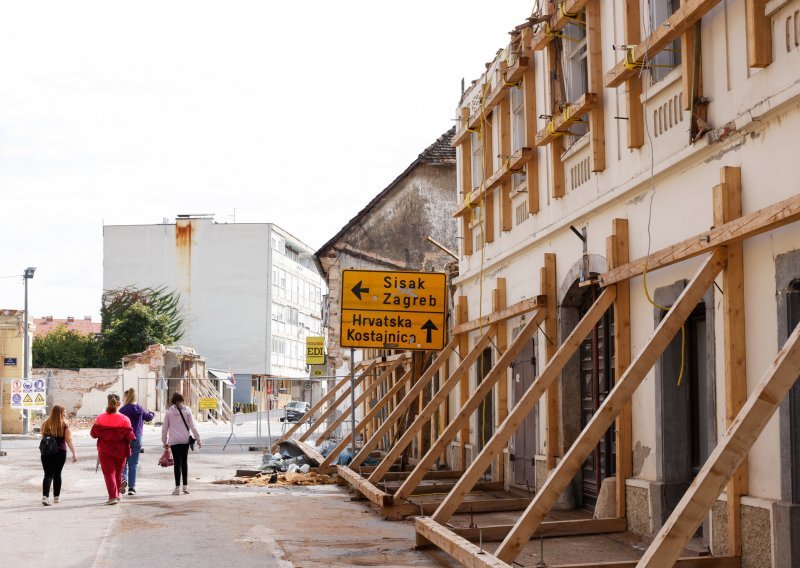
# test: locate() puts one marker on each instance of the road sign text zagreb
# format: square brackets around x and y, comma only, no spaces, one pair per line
[402,310]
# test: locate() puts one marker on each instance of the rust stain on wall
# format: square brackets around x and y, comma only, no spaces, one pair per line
[183,245]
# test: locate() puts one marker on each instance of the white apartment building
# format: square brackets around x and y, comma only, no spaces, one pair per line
[250,293]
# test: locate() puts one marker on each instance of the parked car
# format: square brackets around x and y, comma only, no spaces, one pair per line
[295,410]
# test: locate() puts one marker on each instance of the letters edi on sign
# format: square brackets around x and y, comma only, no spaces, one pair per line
[399,310]
[315,350]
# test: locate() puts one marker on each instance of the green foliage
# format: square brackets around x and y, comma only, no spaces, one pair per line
[163,302]
[65,348]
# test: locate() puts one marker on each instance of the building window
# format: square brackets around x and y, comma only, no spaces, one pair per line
[517,129]
[670,57]
[477,160]
[576,70]
[292,254]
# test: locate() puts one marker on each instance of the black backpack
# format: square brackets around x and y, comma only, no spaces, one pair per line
[49,446]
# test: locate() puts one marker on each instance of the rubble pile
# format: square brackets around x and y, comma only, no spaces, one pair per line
[280,480]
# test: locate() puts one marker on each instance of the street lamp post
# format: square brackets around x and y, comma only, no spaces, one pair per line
[27,275]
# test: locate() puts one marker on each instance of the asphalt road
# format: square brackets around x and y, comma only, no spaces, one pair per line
[216,525]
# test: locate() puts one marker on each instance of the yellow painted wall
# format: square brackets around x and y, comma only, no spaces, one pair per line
[11,345]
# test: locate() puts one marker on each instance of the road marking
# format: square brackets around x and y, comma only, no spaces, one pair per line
[103,558]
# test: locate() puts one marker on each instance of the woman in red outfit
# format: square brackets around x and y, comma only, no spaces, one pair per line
[114,434]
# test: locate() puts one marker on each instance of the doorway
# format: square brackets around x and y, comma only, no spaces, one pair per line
[523,373]
[486,408]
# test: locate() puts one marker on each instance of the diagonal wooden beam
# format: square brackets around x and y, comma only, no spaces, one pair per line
[521,307]
[436,401]
[336,403]
[401,407]
[726,457]
[368,390]
[498,372]
[622,392]
[761,221]
[367,418]
[524,407]
[458,547]
[314,409]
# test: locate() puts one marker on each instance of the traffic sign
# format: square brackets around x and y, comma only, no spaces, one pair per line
[208,403]
[398,310]
[315,350]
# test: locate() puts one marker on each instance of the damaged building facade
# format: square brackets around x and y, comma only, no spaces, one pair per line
[603,133]
[249,294]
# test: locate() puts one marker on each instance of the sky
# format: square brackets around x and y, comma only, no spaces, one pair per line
[294,113]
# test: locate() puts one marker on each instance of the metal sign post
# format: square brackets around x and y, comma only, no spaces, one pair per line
[269,429]
[353,398]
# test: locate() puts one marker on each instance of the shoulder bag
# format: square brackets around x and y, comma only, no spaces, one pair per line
[191,438]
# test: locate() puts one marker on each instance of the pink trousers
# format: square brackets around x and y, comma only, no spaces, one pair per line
[112,472]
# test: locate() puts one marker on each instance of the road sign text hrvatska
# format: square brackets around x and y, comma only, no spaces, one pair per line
[397,310]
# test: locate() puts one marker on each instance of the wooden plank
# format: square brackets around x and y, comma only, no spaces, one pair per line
[363,397]
[601,420]
[688,70]
[401,406]
[594,62]
[459,548]
[506,214]
[375,495]
[617,253]
[750,225]
[726,458]
[557,145]
[550,529]
[501,343]
[688,562]
[547,377]
[463,387]
[521,307]
[631,23]
[461,371]
[727,207]
[488,217]
[514,163]
[547,281]
[532,165]
[311,452]
[759,33]
[441,487]
[560,123]
[682,19]
[336,403]
[466,233]
[498,371]
[310,414]
[442,474]
[368,418]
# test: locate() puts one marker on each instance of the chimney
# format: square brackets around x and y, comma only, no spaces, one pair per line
[70,319]
[87,318]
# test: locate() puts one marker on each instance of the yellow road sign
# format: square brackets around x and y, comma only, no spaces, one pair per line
[315,350]
[401,310]
[209,403]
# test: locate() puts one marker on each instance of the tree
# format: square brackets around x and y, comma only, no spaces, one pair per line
[133,319]
[65,348]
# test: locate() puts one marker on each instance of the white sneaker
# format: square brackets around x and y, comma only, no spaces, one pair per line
[56,499]
[186,490]
[112,501]
[176,492]
[45,501]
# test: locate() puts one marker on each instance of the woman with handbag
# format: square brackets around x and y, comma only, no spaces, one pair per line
[136,414]
[114,435]
[176,433]
[53,447]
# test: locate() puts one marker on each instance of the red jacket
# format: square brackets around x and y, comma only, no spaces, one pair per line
[114,434]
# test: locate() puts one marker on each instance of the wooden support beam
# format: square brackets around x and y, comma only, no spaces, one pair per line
[726,458]
[631,22]
[688,562]
[547,377]
[532,165]
[336,403]
[368,490]
[427,412]
[594,62]
[308,416]
[504,172]
[506,214]
[463,387]
[601,420]
[501,343]
[547,281]
[364,396]
[689,75]
[617,254]
[466,232]
[499,370]
[488,217]
[558,188]
[367,418]
[750,225]
[403,404]
[560,123]
[670,29]
[462,135]
[759,33]
[441,487]
[459,548]
[550,529]
[441,474]
[727,207]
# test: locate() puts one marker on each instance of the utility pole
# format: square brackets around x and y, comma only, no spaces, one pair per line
[27,275]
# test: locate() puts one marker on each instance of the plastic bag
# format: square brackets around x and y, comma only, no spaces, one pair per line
[166,458]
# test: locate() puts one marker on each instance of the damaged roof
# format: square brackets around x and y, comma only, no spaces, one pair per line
[439,153]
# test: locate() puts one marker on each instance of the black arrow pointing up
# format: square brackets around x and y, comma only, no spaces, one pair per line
[358,289]
[429,327]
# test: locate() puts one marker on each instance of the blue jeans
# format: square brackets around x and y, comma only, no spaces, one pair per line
[129,471]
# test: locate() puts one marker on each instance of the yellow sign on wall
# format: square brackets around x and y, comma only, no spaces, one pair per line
[208,403]
[398,310]
[315,350]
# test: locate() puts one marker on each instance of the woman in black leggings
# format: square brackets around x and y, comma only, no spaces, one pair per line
[176,432]
[56,426]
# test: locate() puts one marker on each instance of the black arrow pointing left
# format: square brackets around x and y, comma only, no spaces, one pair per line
[358,289]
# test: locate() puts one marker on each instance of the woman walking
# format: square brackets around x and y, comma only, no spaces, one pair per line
[176,433]
[136,414]
[114,435]
[53,459]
